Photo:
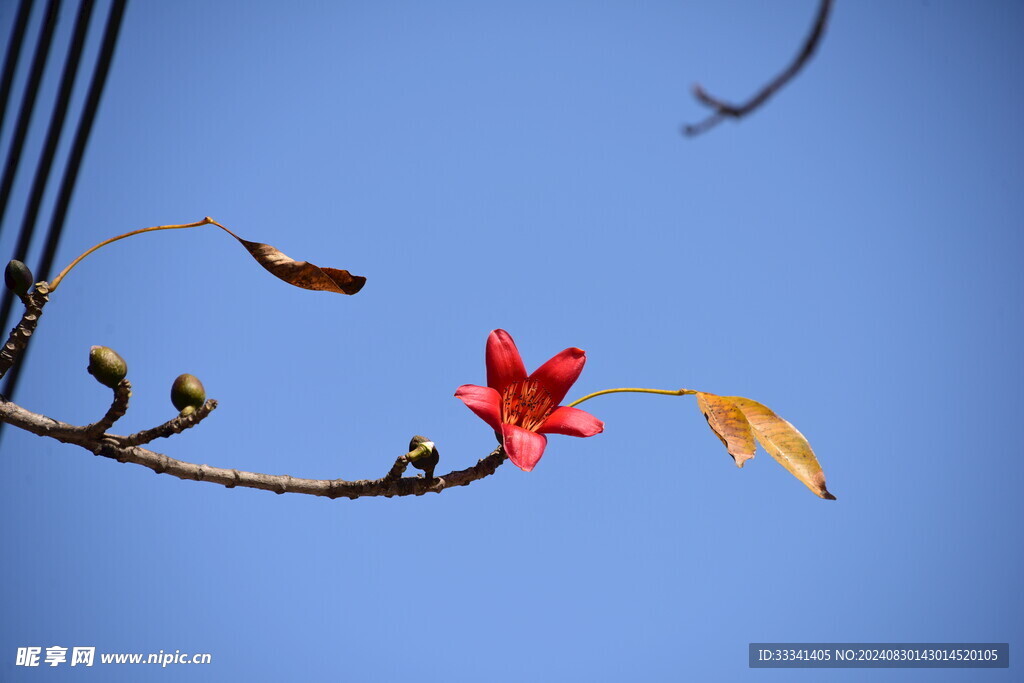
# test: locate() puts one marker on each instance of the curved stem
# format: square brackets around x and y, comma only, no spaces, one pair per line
[205,221]
[663,392]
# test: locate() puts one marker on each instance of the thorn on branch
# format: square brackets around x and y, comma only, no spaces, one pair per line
[723,109]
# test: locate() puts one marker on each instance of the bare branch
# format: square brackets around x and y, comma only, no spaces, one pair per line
[723,110]
[128,448]
[112,446]
[122,392]
[169,428]
[34,302]
[397,470]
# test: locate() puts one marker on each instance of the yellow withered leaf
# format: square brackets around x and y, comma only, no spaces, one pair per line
[729,425]
[785,443]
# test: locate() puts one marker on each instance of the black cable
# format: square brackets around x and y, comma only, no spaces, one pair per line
[60,109]
[67,186]
[92,104]
[53,132]
[28,103]
[13,55]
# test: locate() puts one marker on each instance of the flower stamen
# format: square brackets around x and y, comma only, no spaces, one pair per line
[526,404]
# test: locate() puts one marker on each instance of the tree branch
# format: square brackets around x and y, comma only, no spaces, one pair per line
[114,447]
[169,428]
[95,439]
[119,406]
[723,110]
[22,332]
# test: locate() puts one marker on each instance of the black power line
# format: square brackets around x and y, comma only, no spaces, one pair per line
[92,104]
[74,162]
[13,55]
[28,103]
[53,132]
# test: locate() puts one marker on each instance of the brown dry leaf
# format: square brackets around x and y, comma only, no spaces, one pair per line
[785,443]
[729,425]
[302,273]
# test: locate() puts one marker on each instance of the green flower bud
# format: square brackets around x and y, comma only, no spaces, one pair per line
[18,278]
[426,457]
[106,366]
[187,394]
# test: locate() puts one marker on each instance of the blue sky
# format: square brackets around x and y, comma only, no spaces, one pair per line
[850,255]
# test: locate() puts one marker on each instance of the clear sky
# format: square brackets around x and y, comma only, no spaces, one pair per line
[850,255]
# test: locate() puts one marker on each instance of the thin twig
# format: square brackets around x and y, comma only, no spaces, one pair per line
[169,428]
[119,406]
[397,470]
[723,110]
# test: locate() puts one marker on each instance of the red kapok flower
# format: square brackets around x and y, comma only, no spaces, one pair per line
[522,409]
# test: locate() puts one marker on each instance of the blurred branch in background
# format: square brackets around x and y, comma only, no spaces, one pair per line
[724,110]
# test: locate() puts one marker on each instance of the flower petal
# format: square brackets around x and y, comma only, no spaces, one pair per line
[504,364]
[483,401]
[571,422]
[559,373]
[523,447]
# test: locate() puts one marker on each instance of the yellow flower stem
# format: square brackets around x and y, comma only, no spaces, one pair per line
[205,221]
[663,392]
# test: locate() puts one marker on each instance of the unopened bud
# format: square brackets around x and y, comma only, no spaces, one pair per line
[425,455]
[106,366]
[187,394]
[18,277]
